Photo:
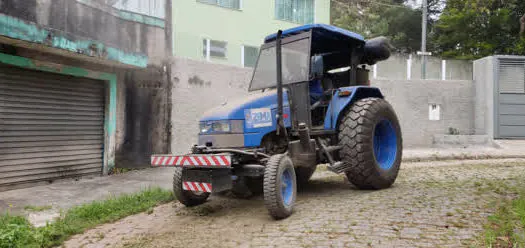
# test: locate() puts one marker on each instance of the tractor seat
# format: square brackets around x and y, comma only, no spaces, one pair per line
[323,99]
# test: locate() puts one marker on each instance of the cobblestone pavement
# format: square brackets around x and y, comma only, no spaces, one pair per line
[439,204]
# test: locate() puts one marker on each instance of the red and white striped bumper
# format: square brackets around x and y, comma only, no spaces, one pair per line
[196,186]
[192,161]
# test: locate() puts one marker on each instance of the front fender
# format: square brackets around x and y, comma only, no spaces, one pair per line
[339,103]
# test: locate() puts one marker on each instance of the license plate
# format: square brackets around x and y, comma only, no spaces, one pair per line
[260,117]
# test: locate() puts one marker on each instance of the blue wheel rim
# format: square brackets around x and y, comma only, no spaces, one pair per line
[385,144]
[287,187]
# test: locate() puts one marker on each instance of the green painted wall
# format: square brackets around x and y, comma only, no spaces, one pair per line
[194,21]
[16,28]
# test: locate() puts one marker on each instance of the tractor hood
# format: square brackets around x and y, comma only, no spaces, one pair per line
[234,109]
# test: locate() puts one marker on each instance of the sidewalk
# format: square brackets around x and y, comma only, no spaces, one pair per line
[68,193]
[502,149]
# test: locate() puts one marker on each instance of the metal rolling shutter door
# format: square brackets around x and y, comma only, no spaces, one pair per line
[51,127]
[511,116]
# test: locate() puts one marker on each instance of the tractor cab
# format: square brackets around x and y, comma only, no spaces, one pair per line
[318,62]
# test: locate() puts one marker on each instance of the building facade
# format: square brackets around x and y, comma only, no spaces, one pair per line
[231,31]
[82,87]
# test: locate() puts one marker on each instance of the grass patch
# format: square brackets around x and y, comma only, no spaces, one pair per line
[16,231]
[506,228]
[37,208]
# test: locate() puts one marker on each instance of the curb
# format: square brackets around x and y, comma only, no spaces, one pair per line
[461,157]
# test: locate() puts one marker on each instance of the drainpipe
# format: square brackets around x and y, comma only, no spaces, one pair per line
[168,33]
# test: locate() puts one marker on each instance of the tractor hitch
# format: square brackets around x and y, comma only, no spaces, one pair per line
[334,166]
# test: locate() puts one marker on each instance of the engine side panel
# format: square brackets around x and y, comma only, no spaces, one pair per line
[254,135]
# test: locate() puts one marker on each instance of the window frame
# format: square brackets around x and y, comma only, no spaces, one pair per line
[152,11]
[208,56]
[243,57]
[286,40]
[314,17]
[221,6]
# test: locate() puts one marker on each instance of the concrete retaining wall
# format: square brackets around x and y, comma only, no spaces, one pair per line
[198,86]
[396,68]
[411,100]
[484,79]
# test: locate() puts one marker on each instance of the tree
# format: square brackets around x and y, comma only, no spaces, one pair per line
[399,20]
[522,25]
[360,16]
[470,29]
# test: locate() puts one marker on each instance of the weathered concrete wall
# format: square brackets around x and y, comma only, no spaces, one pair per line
[197,87]
[484,80]
[411,100]
[144,119]
[85,27]
[396,68]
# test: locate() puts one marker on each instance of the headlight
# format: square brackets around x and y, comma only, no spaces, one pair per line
[215,127]
[221,126]
[205,127]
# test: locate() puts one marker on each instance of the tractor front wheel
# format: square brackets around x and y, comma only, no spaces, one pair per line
[280,186]
[370,137]
[188,198]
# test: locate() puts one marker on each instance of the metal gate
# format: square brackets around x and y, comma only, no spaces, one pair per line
[510,99]
[51,127]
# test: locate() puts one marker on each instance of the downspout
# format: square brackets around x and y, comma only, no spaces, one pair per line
[168,33]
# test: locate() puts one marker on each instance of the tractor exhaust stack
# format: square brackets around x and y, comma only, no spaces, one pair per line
[279,63]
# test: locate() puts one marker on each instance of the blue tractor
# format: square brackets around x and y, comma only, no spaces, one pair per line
[310,103]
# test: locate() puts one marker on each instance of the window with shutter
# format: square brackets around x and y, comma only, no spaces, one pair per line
[297,11]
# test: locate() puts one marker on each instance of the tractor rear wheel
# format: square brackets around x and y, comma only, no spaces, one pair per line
[280,186]
[371,141]
[188,198]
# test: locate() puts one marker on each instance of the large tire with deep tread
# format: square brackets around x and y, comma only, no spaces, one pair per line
[279,206]
[362,158]
[304,174]
[188,198]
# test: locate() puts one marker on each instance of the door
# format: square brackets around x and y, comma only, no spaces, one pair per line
[510,110]
[51,127]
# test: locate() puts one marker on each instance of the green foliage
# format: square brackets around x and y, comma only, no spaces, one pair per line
[506,228]
[390,18]
[459,29]
[16,231]
[470,29]
[38,208]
